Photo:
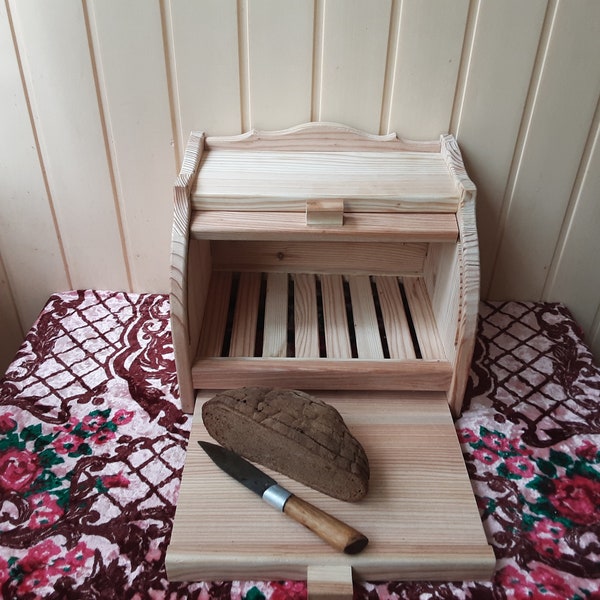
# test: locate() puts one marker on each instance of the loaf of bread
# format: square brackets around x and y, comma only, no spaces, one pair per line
[292,433]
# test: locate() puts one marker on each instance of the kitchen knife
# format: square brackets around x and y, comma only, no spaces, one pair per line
[333,531]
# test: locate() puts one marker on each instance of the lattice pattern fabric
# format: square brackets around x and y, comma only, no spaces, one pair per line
[92,444]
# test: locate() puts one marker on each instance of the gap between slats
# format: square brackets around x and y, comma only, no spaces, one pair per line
[279,315]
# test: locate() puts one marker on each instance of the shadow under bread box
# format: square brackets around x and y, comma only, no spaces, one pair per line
[324,258]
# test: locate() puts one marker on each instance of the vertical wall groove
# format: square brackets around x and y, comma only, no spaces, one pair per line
[465,63]
[104,116]
[566,228]
[13,305]
[244,65]
[172,92]
[390,67]
[38,145]
[318,41]
[524,128]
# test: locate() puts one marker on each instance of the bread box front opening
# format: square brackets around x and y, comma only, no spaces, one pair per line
[324,258]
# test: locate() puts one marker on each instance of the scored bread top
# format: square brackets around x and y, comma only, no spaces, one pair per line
[293,433]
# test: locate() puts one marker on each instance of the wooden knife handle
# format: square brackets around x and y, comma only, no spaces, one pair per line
[333,531]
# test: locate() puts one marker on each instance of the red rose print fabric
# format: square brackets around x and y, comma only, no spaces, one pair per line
[92,444]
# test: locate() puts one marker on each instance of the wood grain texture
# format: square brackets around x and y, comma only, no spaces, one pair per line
[397,329]
[291,226]
[298,257]
[243,335]
[185,335]
[366,329]
[420,514]
[319,136]
[306,326]
[335,319]
[367,181]
[343,373]
[276,316]
[468,280]
[331,582]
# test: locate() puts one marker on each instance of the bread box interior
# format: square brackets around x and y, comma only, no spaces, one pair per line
[343,264]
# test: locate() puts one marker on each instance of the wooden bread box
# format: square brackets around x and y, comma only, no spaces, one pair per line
[346,265]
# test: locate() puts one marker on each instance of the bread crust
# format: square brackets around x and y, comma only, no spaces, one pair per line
[293,433]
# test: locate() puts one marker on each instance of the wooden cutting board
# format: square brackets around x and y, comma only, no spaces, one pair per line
[420,514]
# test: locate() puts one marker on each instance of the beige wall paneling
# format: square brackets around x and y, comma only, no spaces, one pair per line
[128,44]
[563,99]
[29,244]
[203,40]
[353,62]
[53,45]
[574,276]
[279,62]
[12,332]
[492,95]
[426,64]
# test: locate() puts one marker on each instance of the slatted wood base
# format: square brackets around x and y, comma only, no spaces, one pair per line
[320,331]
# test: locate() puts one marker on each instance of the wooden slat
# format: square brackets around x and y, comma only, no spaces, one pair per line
[215,317]
[276,316]
[366,330]
[323,373]
[337,338]
[298,257]
[319,136]
[188,294]
[291,226]
[397,330]
[367,181]
[306,326]
[423,318]
[327,582]
[243,335]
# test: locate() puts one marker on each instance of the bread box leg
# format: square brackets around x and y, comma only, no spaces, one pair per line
[330,582]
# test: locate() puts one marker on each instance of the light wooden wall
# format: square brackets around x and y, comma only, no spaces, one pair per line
[98,97]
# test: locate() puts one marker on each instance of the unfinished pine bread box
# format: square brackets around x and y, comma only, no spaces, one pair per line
[329,260]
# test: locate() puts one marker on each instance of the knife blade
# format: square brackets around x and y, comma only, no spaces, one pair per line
[333,531]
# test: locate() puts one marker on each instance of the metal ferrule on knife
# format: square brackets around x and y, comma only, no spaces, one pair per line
[276,496]
[335,532]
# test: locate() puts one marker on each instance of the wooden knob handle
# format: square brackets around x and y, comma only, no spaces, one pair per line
[335,532]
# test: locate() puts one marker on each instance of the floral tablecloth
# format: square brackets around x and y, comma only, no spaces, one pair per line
[92,444]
